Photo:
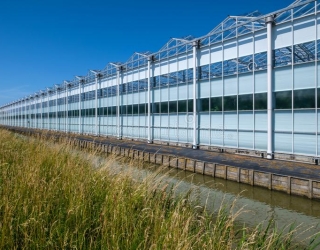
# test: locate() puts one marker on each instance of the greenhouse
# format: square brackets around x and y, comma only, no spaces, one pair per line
[250,85]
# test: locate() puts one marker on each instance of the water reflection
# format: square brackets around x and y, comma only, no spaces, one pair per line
[258,203]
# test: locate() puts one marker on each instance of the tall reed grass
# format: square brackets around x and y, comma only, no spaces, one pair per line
[53,198]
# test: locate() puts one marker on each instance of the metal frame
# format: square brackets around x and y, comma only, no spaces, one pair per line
[229,29]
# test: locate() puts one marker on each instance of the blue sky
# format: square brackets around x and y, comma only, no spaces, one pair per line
[43,43]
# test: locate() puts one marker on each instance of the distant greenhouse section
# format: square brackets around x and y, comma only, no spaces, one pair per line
[252,84]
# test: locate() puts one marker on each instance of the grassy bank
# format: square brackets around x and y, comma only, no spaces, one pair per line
[51,198]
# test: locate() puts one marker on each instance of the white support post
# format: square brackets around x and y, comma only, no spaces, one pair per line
[269,21]
[17,114]
[118,104]
[97,87]
[28,112]
[150,140]
[195,118]
[79,107]
[35,103]
[25,112]
[42,110]
[67,109]
[34,121]
[48,110]
[96,107]
[20,113]
[14,114]
[57,109]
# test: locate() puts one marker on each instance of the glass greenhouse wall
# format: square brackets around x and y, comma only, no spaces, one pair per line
[251,83]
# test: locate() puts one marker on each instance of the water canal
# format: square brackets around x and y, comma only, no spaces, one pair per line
[258,204]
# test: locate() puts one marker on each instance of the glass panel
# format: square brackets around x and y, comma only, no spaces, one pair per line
[246,120]
[304,98]
[215,70]
[231,120]
[230,103]
[282,56]
[260,140]
[204,137]
[230,138]
[172,78]
[304,76]
[305,121]
[283,142]
[203,105]
[156,107]
[304,52]
[230,85]
[304,144]
[129,109]
[283,120]
[283,100]
[283,78]
[142,109]
[182,106]
[229,67]
[190,105]
[245,64]
[172,107]
[245,102]
[203,72]
[246,140]
[260,101]
[164,107]
[135,109]
[216,104]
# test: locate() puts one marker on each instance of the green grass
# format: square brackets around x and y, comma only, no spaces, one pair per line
[53,198]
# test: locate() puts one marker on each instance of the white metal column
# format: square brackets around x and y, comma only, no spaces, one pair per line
[269,22]
[97,125]
[195,118]
[98,86]
[150,140]
[81,81]
[67,108]
[28,112]
[96,106]
[13,114]
[57,109]
[41,94]
[119,136]
[25,112]
[80,86]
[48,110]
[20,112]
